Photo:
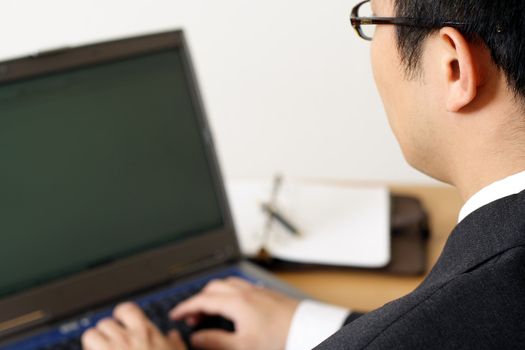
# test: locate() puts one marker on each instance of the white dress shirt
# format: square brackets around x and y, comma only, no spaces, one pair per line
[511,185]
[313,321]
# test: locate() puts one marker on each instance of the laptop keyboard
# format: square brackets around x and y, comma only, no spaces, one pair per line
[156,306]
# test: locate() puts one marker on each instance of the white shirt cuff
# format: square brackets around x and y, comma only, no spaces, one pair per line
[312,323]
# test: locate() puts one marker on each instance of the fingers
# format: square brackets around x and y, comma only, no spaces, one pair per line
[110,329]
[219,297]
[175,340]
[207,303]
[93,339]
[109,332]
[132,317]
[193,320]
[213,340]
[131,330]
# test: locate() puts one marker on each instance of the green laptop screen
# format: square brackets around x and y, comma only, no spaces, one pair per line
[98,163]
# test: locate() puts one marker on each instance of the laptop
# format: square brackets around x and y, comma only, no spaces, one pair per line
[110,191]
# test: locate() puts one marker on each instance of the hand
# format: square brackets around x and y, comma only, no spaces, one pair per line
[262,317]
[129,330]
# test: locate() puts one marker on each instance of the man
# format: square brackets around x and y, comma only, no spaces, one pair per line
[451,74]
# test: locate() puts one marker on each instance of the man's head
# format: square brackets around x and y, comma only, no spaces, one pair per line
[452,93]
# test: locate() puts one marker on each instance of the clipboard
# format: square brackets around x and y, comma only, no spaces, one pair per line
[410,232]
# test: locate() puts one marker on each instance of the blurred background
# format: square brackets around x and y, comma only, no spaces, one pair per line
[287,85]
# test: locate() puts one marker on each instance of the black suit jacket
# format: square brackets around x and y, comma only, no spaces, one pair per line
[474,297]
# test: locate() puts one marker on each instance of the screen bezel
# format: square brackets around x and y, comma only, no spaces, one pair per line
[71,294]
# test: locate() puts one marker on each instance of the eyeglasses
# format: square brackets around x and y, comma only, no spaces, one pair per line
[364,21]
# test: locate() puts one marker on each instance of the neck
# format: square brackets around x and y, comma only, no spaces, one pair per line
[475,181]
[483,163]
[487,143]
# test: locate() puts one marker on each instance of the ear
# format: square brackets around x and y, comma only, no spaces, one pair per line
[460,68]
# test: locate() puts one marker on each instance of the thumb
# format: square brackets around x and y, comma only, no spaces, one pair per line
[175,340]
[213,340]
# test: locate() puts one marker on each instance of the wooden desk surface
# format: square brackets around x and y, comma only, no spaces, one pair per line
[365,291]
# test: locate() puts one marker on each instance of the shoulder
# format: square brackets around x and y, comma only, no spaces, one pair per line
[480,308]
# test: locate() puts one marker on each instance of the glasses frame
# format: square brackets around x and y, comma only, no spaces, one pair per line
[357,22]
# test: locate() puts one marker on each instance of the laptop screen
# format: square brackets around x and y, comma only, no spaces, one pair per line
[99,163]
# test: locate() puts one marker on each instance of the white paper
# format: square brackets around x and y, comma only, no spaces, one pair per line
[345,226]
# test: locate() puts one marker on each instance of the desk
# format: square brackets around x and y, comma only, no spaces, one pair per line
[366,291]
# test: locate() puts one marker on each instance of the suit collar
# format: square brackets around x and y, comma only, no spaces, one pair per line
[508,186]
[487,232]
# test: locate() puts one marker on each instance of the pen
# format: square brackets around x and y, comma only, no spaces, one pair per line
[280,219]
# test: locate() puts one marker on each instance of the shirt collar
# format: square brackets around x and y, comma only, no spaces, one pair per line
[511,185]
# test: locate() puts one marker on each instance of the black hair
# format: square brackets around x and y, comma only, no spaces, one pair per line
[498,24]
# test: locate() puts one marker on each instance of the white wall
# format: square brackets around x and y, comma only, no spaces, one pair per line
[287,84]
